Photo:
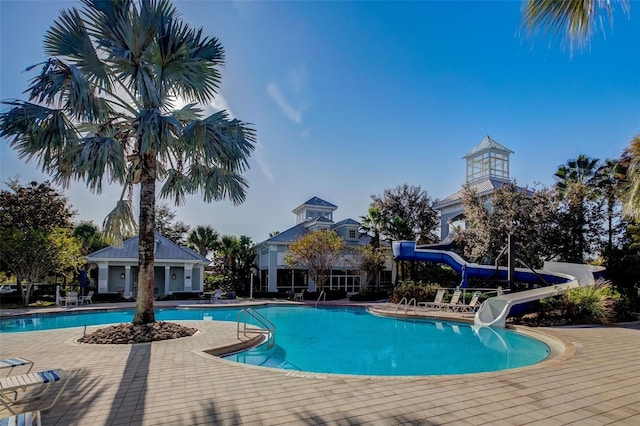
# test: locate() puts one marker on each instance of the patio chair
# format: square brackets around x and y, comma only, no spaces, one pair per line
[30,418]
[217,295]
[437,301]
[453,304]
[71,299]
[299,297]
[10,364]
[41,382]
[86,299]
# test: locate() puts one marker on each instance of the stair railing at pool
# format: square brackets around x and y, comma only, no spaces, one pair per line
[322,296]
[406,303]
[267,327]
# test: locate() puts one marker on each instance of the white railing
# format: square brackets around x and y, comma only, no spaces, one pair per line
[267,327]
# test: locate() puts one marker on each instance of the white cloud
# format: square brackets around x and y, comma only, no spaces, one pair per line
[290,112]
[298,79]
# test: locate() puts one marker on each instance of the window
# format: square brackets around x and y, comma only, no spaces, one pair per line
[352,233]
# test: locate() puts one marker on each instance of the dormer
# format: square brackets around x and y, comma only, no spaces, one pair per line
[488,160]
[313,209]
[348,229]
[319,224]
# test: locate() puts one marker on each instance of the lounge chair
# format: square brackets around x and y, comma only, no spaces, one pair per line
[437,301]
[21,383]
[453,304]
[472,306]
[10,364]
[86,299]
[30,418]
[217,295]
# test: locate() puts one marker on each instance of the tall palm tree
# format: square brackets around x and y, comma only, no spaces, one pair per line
[204,239]
[576,20]
[579,171]
[372,224]
[630,162]
[105,107]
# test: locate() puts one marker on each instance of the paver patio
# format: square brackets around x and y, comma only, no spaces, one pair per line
[596,381]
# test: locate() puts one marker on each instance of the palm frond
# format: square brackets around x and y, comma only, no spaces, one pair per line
[218,183]
[576,20]
[99,157]
[120,222]
[178,186]
[40,133]
[68,37]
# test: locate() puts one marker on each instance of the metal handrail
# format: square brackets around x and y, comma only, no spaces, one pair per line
[268,328]
[322,296]
[406,304]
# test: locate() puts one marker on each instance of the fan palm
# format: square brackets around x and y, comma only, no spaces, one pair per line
[577,20]
[630,162]
[204,239]
[105,108]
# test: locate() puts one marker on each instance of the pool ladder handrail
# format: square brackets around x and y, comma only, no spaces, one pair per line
[406,304]
[322,296]
[267,327]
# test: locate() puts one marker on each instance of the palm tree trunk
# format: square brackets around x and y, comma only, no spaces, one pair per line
[146,240]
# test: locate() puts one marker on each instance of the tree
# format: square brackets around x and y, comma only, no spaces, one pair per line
[630,179]
[372,261]
[579,220]
[318,252]
[90,237]
[407,214]
[372,225]
[203,239]
[35,226]
[105,107]
[576,20]
[167,225]
[237,256]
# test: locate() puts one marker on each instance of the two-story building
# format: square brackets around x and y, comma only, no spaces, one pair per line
[314,215]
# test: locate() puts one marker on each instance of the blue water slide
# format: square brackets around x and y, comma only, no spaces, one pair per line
[406,250]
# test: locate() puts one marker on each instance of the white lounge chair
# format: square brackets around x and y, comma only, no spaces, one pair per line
[217,295]
[22,383]
[11,364]
[472,306]
[437,301]
[30,418]
[453,303]
[299,297]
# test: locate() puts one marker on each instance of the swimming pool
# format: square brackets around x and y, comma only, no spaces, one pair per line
[342,340]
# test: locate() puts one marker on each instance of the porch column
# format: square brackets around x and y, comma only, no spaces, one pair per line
[272,279]
[201,279]
[127,282]
[167,277]
[103,277]
[188,277]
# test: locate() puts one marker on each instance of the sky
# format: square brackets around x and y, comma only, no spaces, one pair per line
[351,98]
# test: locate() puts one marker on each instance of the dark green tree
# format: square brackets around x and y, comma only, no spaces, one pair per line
[203,239]
[407,213]
[169,226]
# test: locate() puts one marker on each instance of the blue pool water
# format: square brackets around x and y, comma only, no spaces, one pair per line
[345,340]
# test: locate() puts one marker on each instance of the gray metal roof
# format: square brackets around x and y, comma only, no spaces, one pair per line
[487,144]
[165,250]
[346,222]
[481,187]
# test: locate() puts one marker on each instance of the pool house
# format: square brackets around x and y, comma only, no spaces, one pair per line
[177,268]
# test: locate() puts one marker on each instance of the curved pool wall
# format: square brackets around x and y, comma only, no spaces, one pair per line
[340,340]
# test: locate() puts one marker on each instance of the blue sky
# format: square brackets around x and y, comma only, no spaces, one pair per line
[352,98]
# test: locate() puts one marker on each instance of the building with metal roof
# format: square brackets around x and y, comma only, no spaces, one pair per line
[313,215]
[176,268]
[487,169]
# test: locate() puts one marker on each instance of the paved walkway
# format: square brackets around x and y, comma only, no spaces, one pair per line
[595,381]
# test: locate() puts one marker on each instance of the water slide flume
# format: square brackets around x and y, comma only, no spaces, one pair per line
[494,311]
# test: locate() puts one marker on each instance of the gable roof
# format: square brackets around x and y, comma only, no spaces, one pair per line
[315,202]
[165,250]
[346,222]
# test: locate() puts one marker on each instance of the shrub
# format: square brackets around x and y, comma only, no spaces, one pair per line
[366,295]
[595,304]
[411,290]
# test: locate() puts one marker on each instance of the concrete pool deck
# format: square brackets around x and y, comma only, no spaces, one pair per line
[595,382]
